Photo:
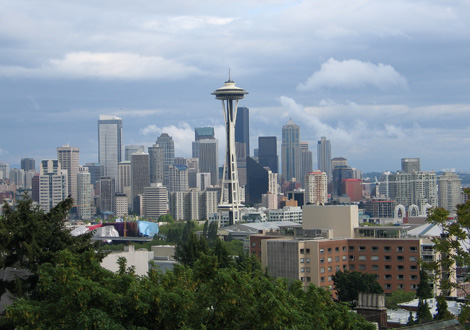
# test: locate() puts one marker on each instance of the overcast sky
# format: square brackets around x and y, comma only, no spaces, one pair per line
[381,79]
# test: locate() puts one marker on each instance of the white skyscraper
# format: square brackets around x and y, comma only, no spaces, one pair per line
[110,145]
[324,157]
[84,194]
[449,189]
[69,158]
[316,188]
[155,201]
[53,187]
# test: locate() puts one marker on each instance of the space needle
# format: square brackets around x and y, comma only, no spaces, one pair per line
[229,94]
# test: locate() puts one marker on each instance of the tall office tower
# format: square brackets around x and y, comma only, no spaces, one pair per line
[125,180]
[424,187]
[179,161]
[140,176]
[53,187]
[340,173]
[353,188]
[156,163]
[203,133]
[449,190]
[177,205]
[69,158]
[131,149]
[290,152]
[242,128]
[155,201]
[4,171]
[17,177]
[166,142]
[317,188]
[35,188]
[178,178]
[121,208]
[107,194]
[191,205]
[338,161]
[28,164]
[203,181]
[96,172]
[193,169]
[260,180]
[85,194]
[306,165]
[206,149]
[410,165]
[229,95]
[267,152]
[110,145]
[28,178]
[240,150]
[324,157]
[208,202]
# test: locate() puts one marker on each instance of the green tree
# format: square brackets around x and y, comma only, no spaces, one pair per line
[188,251]
[442,311]
[349,284]
[397,297]
[212,232]
[411,320]
[424,290]
[423,314]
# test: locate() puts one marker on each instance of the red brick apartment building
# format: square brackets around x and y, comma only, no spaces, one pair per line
[393,260]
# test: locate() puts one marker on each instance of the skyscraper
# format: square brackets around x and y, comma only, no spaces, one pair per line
[178,178]
[167,144]
[259,181]
[267,152]
[242,128]
[324,157]
[205,148]
[156,163]
[410,165]
[140,176]
[107,194]
[69,158]
[110,144]
[229,95]
[155,201]
[96,172]
[449,189]
[53,186]
[290,152]
[203,133]
[316,188]
[28,164]
[306,165]
[130,149]
[84,194]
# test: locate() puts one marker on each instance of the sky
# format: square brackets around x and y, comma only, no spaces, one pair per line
[382,80]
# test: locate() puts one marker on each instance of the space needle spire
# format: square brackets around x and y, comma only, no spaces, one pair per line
[229,94]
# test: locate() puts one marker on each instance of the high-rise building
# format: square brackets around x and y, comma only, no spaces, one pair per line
[53,187]
[140,176]
[208,157]
[193,169]
[121,208]
[28,164]
[155,201]
[69,158]
[96,172]
[177,205]
[242,128]
[306,165]
[156,163]
[338,161]
[260,180]
[240,150]
[4,171]
[84,194]
[267,152]
[125,180]
[167,144]
[410,165]
[290,152]
[229,95]
[449,190]
[203,133]
[324,157]
[316,188]
[340,173]
[131,149]
[352,188]
[110,145]
[178,178]
[203,181]
[107,194]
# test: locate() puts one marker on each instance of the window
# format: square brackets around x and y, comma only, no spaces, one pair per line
[399,248]
[400,258]
[351,248]
[322,260]
[302,269]
[388,258]
[413,259]
[344,248]
[253,244]
[388,276]
[375,248]
[308,269]
[345,258]
[330,269]
[322,250]
[337,258]
[413,267]
[301,251]
[329,259]
[401,268]
[337,249]
[362,248]
[351,257]
[374,258]
[388,267]
[362,267]
[387,248]
[322,279]
[375,267]
[329,250]
[344,266]
[308,279]
[401,286]
[301,260]
[362,258]
[351,267]
[307,260]
[413,249]
[302,279]
[307,251]
[414,277]
[413,286]
[322,270]
[401,277]
[330,278]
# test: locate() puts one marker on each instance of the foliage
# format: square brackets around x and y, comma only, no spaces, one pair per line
[30,237]
[77,293]
[442,311]
[423,314]
[424,290]
[397,297]
[166,218]
[411,320]
[188,251]
[349,284]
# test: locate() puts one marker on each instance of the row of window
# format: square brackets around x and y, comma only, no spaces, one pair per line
[330,269]
[386,267]
[364,248]
[386,258]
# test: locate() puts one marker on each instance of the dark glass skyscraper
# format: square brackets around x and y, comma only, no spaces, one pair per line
[168,145]
[290,152]
[267,152]
[324,157]
[28,164]
[257,178]
[242,128]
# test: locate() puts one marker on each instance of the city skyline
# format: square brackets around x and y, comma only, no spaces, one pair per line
[382,81]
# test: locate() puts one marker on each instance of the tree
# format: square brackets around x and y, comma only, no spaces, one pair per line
[442,311]
[29,237]
[423,314]
[424,290]
[411,320]
[349,284]
[397,297]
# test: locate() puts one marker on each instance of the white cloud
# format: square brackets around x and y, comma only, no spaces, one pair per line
[186,23]
[182,134]
[354,74]
[84,65]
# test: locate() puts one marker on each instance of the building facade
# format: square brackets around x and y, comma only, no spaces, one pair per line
[316,188]
[110,145]
[449,191]
[324,157]
[267,152]
[290,152]
[69,158]
[168,145]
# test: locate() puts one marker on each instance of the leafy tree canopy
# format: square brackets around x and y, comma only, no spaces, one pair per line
[349,284]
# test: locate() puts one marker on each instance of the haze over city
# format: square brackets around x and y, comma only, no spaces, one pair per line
[382,80]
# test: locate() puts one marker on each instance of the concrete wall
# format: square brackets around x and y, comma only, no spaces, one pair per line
[341,218]
[140,259]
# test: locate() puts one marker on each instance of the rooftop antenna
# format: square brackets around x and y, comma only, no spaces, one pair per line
[229,79]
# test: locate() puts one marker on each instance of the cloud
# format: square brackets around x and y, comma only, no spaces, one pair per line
[186,23]
[85,65]
[353,74]
[182,134]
